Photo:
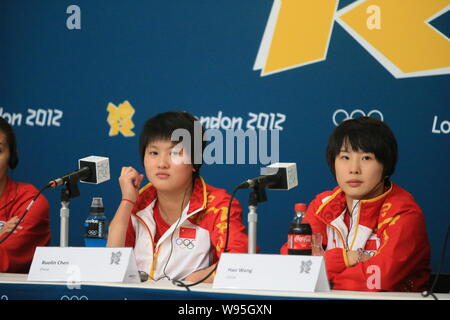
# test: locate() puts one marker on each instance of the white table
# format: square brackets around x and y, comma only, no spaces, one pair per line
[16,286]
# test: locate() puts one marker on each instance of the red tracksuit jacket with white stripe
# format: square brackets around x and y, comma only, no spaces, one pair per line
[390,227]
[192,244]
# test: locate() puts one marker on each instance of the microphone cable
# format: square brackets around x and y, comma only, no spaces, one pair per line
[351,223]
[144,275]
[171,235]
[430,292]
[25,212]
[180,283]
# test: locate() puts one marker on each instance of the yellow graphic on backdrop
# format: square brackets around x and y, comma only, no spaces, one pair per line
[297,33]
[119,119]
[396,33]
[405,39]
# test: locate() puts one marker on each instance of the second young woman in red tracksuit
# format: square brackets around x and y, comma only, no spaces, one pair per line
[373,230]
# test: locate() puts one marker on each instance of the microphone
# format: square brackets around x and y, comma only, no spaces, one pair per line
[277,176]
[92,169]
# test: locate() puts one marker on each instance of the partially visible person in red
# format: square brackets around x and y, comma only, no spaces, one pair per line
[16,252]
[372,229]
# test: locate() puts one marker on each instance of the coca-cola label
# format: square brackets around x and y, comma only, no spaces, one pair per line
[299,241]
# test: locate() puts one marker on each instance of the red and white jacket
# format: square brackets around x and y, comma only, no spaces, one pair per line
[17,252]
[390,227]
[197,242]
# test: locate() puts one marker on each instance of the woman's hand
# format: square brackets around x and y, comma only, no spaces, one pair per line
[9,225]
[200,274]
[130,180]
[354,257]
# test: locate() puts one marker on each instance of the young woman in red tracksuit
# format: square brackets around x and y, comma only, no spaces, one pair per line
[177,225]
[16,252]
[373,230]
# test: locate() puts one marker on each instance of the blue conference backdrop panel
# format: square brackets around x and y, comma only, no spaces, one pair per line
[80,78]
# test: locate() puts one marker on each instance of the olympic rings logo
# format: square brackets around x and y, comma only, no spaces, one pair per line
[74,298]
[354,113]
[184,243]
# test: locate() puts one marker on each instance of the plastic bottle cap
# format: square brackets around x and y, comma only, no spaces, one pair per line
[97,205]
[300,207]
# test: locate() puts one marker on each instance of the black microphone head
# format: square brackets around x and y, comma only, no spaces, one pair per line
[277,176]
[286,174]
[246,184]
[99,169]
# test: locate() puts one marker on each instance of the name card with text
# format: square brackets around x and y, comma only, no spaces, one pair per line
[80,264]
[272,272]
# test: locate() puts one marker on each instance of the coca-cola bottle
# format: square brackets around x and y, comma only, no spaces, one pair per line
[299,234]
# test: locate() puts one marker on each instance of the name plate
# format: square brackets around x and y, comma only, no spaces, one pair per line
[271,272]
[80,264]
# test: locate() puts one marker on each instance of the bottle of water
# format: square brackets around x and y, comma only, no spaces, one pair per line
[299,234]
[95,225]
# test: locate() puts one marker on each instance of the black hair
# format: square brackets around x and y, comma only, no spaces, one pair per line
[6,128]
[368,135]
[163,125]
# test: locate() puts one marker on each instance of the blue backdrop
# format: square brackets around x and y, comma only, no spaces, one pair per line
[62,63]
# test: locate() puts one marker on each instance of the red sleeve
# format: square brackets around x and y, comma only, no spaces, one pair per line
[130,238]
[17,252]
[335,259]
[401,263]
[238,241]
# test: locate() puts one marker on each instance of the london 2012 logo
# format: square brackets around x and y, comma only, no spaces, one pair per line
[115,257]
[120,119]
[398,34]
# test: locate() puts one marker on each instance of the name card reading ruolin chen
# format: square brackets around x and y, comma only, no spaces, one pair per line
[80,264]
[272,272]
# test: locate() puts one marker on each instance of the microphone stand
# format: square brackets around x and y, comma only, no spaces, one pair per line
[69,191]
[256,196]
